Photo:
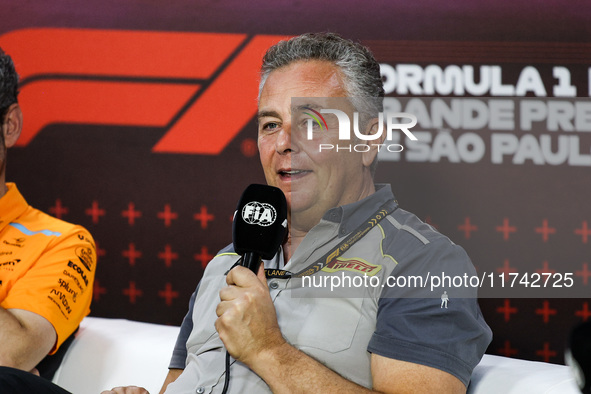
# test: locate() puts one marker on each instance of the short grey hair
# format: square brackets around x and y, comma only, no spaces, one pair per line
[360,69]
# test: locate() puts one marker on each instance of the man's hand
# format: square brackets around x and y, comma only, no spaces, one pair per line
[173,374]
[247,325]
[247,322]
[126,390]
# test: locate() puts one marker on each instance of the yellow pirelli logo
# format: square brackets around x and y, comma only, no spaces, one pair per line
[354,264]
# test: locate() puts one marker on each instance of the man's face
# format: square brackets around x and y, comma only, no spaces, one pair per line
[312,181]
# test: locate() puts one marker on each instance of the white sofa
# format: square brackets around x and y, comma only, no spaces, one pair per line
[115,352]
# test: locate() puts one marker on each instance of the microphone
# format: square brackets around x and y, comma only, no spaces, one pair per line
[578,355]
[260,224]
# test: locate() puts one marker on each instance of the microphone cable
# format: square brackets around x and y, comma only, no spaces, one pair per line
[227,377]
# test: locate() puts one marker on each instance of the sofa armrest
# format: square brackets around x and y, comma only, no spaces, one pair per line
[116,352]
[496,374]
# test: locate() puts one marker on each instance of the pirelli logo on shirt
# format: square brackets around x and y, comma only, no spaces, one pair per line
[354,264]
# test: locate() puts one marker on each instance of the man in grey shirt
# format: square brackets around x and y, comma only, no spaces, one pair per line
[286,336]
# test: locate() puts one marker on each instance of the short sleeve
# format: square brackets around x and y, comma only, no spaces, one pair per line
[451,336]
[179,353]
[59,284]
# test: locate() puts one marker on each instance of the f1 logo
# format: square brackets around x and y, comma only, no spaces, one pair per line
[199,87]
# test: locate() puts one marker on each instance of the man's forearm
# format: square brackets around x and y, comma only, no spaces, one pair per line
[288,370]
[25,337]
[11,332]
[173,374]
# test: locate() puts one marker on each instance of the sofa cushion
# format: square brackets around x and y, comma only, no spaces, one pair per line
[116,352]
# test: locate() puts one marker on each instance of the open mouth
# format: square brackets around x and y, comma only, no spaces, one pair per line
[291,173]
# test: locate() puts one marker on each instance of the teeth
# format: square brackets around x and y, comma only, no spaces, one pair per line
[293,172]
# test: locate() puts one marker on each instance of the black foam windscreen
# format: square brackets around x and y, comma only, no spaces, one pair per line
[260,221]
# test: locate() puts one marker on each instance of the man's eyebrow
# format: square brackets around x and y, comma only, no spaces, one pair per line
[275,114]
[306,106]
[272,114]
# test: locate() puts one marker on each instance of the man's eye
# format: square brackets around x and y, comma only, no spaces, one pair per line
[270,126]
[309,123]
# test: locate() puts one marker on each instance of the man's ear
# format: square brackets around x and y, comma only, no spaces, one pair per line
[12,126]
[373,127]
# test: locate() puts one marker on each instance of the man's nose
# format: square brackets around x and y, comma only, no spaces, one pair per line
[284,142]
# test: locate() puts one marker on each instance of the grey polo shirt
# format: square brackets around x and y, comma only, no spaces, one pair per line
[342,326]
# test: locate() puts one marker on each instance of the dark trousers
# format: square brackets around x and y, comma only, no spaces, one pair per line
[15,381]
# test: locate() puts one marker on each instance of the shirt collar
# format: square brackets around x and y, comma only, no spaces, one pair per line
[12,205]
[350,216]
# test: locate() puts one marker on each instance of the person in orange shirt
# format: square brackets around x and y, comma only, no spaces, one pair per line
[47,266]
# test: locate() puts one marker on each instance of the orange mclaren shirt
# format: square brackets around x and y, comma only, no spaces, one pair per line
[47,266]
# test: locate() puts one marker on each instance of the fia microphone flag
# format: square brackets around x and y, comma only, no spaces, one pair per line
[260,222]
